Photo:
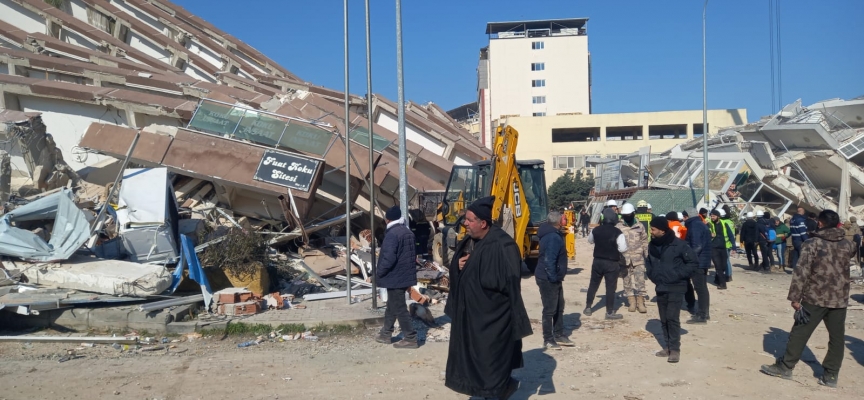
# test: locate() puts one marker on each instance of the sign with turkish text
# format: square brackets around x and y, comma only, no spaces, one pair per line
[289,170]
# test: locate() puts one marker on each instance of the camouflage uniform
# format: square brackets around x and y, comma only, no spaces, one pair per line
[637,250]
[821,277]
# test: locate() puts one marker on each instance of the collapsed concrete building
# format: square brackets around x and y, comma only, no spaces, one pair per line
[88,75]
[812,157]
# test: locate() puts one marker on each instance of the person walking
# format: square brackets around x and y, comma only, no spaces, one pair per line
[699,239]
[397,272]
[634,258]
[584,221]
[798,229]
[780,244]
[485,305]
[670,264]
[719,242]
[552,267]
[819,292]
[750,237]
[609,242]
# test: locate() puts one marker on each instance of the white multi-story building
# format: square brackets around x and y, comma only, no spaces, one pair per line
[533,68]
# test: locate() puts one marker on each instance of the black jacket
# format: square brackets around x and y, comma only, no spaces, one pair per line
[397,267]
[750,231]
[670,263]
[699,239]
[553,254]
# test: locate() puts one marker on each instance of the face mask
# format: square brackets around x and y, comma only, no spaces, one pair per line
[628,218]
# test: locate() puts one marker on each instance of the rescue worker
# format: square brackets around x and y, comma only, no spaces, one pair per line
[610,204]
[674,219]
[798,228]
[720,237]
[609,242]
[750,237]
[727,220]
[584,221]
[642,214]
[634,258]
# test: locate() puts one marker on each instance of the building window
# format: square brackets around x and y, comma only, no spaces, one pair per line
[538,99]
[565,135]
[538,66]
[536,45]
[568,162]
[667,132]
[539,114]
[538,83]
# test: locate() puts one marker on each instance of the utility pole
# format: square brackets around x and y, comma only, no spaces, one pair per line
[705,108]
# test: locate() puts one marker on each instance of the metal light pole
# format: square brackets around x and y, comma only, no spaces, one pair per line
[347,166]
[403,175]
[371,154]
[705,108]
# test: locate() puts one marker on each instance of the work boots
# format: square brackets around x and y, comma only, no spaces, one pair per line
[777,369]
[631,303]
[640,304]
[406,344]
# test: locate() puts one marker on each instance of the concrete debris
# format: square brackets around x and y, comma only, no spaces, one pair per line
[112,277]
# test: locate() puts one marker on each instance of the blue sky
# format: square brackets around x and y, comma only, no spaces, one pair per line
[646,55]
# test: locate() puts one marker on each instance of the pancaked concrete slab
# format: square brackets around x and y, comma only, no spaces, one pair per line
[107,318]
[77,319]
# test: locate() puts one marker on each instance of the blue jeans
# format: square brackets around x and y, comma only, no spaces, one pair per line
[781,253]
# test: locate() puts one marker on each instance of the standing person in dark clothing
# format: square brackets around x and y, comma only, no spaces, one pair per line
[584,221]
[750,237]
[812,225]
[703,213]
[485,305]
[766,242]
[397,272]
[699,239]
[670,264]
[609,242]
[720,237]
[798,228]
[820,287]
[549,274]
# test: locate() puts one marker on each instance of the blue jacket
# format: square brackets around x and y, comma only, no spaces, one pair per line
[798,227]
[699,239]
[396,261]
[553,255]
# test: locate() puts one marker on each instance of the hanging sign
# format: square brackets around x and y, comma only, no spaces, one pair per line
[289,170]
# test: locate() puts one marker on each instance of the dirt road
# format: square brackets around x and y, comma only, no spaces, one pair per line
[750,323]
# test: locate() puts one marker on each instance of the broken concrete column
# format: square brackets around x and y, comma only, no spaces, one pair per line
[41,155]
[5,177]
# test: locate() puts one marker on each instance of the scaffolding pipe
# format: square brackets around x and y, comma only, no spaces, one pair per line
[403,175]
[347,160]
[371,154]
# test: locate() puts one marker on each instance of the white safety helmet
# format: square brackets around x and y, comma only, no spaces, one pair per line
[749,214]
[648,206]
[612,203]
[722,212]
[680,216]
[760,213]
[628,209]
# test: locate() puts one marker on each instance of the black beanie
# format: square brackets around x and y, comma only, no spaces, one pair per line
[393,213]
[482,208]
[672,216]
[703,211]
[660,223]
[715,212]
[684,213]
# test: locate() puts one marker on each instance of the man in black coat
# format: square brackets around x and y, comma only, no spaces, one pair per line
[485,305]
[609,242]
[699,239]
[549,274]
[397,272]
[750,237]
[670,264]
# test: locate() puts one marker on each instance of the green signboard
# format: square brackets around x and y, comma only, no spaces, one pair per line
[306,138]
[215,118]
[361,136]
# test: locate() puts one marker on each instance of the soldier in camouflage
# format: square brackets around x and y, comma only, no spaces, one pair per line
[820,290]
[637,249]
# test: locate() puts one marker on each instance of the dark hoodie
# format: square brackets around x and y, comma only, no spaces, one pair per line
[553,254]
[670,263]
[699,239]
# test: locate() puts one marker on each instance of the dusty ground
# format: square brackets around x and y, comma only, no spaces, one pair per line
[750,324]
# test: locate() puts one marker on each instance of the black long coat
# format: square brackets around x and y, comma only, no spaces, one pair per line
[488,316]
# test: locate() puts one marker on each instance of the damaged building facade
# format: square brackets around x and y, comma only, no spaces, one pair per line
[804,156]
[95,70]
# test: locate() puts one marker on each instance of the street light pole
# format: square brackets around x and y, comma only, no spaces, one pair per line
[705,108]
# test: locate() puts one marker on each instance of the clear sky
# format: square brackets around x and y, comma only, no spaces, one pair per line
[646,55]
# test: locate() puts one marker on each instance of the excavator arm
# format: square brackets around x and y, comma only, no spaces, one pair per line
[507,188]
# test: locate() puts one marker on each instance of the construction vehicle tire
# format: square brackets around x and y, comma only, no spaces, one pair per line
[438,249]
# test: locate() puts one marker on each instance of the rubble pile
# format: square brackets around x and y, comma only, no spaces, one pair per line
[156,234]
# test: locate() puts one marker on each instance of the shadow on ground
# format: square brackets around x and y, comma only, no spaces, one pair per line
[774,342]
[655,328]
[536,377]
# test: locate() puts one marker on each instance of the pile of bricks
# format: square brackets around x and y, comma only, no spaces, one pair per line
[240,301]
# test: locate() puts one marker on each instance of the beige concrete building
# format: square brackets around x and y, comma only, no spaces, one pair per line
[566,141]
[533,68]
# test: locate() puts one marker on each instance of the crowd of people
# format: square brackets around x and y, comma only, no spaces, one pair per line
[675,252]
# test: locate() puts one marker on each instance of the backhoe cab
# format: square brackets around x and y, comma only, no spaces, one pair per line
[521,203]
